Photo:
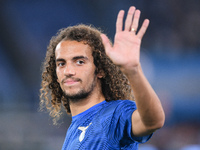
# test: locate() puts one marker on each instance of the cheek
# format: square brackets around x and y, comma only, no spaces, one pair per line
[58,76]
[58,80]
[89,74]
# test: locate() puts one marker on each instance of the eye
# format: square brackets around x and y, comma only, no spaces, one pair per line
[61,64]
[80,62]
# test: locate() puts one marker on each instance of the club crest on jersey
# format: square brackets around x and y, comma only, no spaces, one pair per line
[83,129]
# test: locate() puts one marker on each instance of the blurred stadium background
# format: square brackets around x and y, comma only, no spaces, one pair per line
[170,58]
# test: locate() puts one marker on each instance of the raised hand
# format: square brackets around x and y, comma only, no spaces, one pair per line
[125,51]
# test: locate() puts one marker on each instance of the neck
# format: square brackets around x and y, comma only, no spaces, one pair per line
[83,104]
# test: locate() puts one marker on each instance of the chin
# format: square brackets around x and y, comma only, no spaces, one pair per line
[76,97]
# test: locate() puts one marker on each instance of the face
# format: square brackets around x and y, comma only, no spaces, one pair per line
[75,70]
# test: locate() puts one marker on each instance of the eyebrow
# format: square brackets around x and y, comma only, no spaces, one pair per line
[60,59]
[74,58]
[79,57]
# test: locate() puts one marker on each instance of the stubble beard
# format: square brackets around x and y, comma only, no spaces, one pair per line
[82,94]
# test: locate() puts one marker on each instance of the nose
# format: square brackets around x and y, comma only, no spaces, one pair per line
[69,70]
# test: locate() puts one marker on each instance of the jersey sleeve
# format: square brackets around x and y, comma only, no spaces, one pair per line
[123,130]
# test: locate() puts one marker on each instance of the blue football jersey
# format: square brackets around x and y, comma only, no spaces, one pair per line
[105,126]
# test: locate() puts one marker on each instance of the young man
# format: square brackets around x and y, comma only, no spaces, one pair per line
[93,80]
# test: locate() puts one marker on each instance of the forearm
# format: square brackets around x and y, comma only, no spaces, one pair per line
[148,104]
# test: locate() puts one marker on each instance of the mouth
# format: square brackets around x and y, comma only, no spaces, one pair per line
[70,82]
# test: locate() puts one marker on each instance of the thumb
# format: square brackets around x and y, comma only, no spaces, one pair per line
[106,43]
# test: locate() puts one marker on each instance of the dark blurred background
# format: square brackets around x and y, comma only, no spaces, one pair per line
[170,58]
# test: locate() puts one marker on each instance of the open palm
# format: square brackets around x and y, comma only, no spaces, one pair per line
[126,49]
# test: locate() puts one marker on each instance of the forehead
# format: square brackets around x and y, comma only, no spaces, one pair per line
[72,49]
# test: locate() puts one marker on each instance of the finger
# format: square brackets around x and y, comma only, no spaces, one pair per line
[129,18]
[143,28]
[136,20]
[119,22]
[106,43]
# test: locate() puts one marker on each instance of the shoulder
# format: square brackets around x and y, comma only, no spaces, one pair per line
[119,104]
[116,106]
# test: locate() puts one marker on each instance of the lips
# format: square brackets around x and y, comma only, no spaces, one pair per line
[70,81]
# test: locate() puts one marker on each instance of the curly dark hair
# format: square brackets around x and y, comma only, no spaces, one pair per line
[114,84]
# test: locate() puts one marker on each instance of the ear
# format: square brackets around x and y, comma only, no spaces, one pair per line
[101,74]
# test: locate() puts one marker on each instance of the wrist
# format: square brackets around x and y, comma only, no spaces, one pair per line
[132,71]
